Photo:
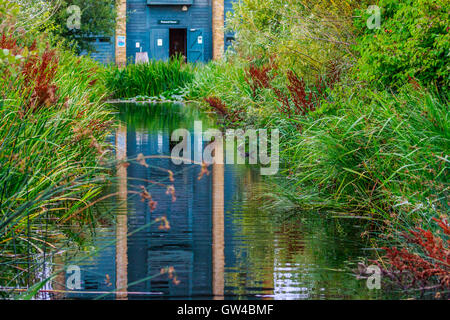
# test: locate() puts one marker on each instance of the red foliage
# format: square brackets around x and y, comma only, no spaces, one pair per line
[285,106]
[435,259]
[303,102]
[8,42]
[38,72]
[258,77]
[217,104]
[443,225]
[304,99]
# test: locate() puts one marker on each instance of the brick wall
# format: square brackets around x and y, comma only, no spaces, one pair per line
[218,28]
[121,30]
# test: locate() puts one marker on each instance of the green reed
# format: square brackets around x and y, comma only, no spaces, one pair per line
[148,79]
[50,163]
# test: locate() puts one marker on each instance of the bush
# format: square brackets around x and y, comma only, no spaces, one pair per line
[303,35]
[413,42]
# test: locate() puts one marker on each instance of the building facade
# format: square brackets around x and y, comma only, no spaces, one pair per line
[164,28]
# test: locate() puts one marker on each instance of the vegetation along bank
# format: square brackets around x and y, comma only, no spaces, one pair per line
[362,109]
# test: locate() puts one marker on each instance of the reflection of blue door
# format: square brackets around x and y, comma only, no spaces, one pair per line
[159,44]
[195,47]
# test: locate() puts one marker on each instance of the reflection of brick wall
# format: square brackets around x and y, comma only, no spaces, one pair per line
[121,30]
[217,28]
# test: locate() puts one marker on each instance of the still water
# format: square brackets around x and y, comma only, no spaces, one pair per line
[219,241]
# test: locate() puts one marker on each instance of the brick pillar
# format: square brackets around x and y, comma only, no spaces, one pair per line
[218,222]
[121,31]
[218,21]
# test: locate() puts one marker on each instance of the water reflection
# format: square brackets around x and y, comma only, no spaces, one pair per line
[218,234]
[221,243]
[122,219]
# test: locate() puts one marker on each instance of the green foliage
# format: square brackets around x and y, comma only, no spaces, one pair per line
[148,79]
[17,13]
[10,61]
[300,35]
[225,79]
[413,41]
[56,19]
[375,155]
[29,183]
[97,18]
[8,10]
[52,155]
[380,152]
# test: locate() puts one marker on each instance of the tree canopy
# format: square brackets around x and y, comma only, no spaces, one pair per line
[78,21]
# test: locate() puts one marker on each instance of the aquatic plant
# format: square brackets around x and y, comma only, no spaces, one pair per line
[53,124]
[152,79]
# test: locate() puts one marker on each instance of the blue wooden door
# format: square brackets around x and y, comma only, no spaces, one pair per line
[195,47]
[159,44]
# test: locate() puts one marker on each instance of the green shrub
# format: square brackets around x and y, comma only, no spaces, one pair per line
[413,41]
[303,36]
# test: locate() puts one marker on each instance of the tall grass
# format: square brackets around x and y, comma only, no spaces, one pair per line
[382,153]
[52,128]
[148,79]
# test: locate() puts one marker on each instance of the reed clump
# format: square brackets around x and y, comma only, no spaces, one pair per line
[53,125]
[150,79]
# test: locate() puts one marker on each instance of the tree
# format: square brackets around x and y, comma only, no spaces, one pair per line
[301,35]
[78,21]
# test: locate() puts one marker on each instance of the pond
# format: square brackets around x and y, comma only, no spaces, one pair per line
[219,240]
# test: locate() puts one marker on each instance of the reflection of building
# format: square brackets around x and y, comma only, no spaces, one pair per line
[196,245]
[187,245]
[247,274]
[163,28]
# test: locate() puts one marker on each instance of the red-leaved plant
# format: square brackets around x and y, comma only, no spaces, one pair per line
[219,106]
[425,264]
[258,77]
[38,71]
[301,99]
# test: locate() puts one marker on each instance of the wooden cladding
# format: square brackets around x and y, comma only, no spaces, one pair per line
[170,2]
